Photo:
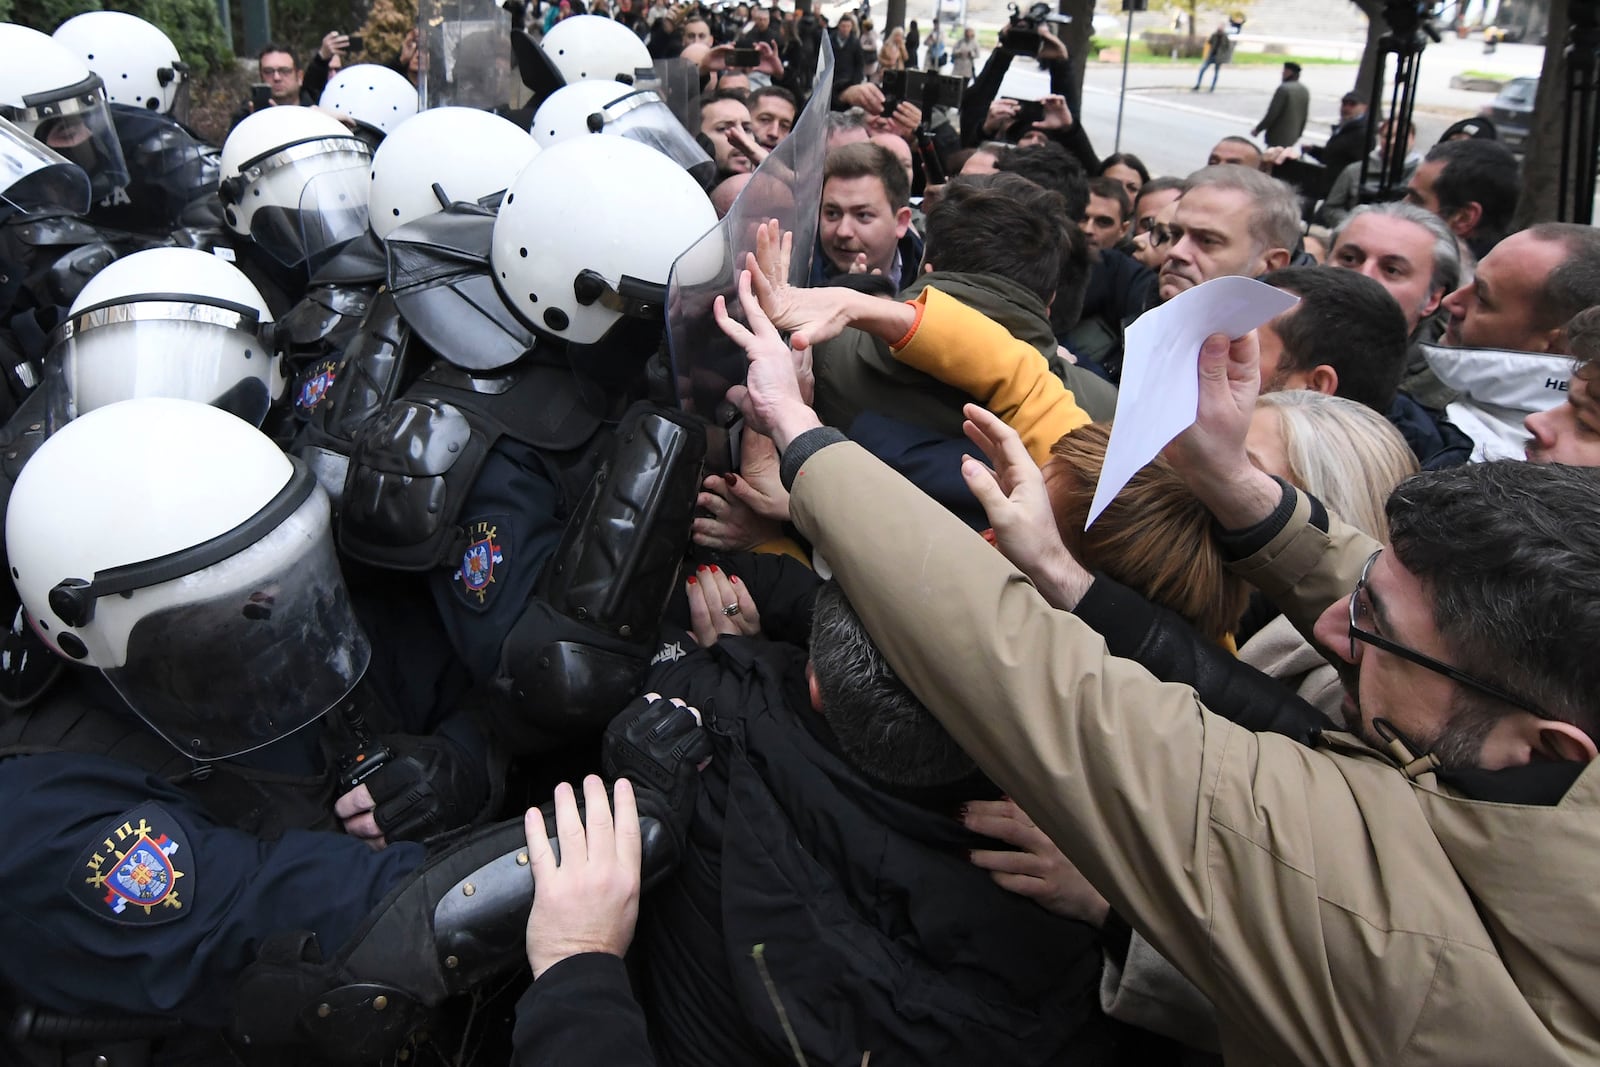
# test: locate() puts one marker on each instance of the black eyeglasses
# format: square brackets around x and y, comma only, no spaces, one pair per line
[1158,234]
[1358,609]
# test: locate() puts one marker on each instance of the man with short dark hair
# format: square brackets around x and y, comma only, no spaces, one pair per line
[697,31]
[1230,221]
[1108,217]
[823,846]
[865,222]
[772,113]
[1235,151]
[725,122]
[280,72]
[1473,185]
[1502,348]
[1346,337]
[1052,167]
[1285,119]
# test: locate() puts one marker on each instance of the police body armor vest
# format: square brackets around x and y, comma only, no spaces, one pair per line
[413,464]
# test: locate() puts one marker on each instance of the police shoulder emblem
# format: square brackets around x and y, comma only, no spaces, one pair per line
[138,870]
[482,559]
[315,383]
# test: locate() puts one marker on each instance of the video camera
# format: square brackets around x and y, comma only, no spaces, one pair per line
[1406,17]
[1021,34]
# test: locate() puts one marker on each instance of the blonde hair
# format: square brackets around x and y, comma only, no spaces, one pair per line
[1155,537]
[1343,453]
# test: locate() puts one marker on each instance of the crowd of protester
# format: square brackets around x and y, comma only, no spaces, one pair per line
[1284,758]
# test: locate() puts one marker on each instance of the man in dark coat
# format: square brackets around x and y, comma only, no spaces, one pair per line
[825,907]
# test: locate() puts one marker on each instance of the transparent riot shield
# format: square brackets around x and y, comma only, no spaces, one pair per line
[464,56]
[677,83]
[787,187]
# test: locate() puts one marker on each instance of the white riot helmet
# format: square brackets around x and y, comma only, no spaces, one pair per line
[178,550]
[138,63]
[374,97]
[468,153]
[53,97]
[295,180]
[586,47]
[575,247]
[170,322]
[590,107]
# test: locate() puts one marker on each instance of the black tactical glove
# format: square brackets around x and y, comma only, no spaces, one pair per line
[659,746]
[427,787]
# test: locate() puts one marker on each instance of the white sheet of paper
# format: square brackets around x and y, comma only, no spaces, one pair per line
[1160,392]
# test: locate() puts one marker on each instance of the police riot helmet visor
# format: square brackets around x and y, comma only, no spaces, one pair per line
[277,190]
[179,72]
[36,180]
[76,122]
[176,347]
[645,117]
[248,650]
[333,210]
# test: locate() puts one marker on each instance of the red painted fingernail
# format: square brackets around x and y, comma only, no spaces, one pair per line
[731,478]
[701,567]
[691,579]
[713,568]
[733,578]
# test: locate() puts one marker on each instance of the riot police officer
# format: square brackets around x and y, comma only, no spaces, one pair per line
[548,512]
[294,192]
[172,174]
[173,794]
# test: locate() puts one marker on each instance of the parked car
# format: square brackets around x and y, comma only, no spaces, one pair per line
[1512,112]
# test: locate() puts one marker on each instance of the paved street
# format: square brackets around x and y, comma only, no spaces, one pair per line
[1173,128]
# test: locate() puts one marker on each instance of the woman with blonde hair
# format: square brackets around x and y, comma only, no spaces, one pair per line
[1350,458]
[893,55]
[1343,453]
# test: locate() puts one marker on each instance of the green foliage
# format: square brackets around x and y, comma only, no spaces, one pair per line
[386,27]
[192,24]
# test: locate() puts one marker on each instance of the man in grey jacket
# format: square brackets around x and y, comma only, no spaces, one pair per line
[1285,119]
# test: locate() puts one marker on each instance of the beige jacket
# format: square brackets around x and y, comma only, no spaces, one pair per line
[1279,651]
[1333,910]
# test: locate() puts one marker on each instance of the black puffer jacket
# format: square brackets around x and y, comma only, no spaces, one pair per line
[873,930]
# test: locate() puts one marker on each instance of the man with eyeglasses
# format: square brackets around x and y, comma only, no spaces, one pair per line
[1419,889]
[281,74]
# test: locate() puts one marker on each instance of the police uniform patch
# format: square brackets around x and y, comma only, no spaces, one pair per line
[315,384]
[484,563]
[138,870]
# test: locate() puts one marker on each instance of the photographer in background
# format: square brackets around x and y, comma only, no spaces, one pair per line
[281,83]
[984,118]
